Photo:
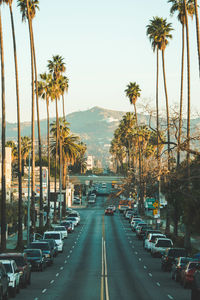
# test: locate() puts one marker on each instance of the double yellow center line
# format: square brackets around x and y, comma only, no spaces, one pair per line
[104,269]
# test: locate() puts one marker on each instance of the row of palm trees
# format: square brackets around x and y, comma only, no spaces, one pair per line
[159,32]
[51,87]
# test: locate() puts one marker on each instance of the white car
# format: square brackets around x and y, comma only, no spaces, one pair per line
[63,231]
[76,215]
[148,243]
[161,244]
[73,219]
[13,274]
[57,236]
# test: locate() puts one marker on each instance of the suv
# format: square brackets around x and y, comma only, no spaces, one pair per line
[161,244]
[13,274]
[56,236]
[4,282]
[177,267]
[22,265]
[169,257]
[36,259]
[46,250]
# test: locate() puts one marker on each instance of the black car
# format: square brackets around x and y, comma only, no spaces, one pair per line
[195,294]
[46,250]
[53,246]
[36,259]
[169,257]
[4,281]
[178,265]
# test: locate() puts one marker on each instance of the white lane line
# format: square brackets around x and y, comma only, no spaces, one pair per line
[65,261]
[70,251]
[61,268]
[130,242]
[136,252]
[140,259]
[44,291]
[57,274]
[36,299]
[170,297]
[68,256]
[106,272]
[158,283]
[72,247]
[74,242]
[150,275]
[52,281]
[133,246]
[145,267]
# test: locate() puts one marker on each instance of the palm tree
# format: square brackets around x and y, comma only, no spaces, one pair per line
[64,85]
[44,91]
[133,92]
[3,141]
[56,67]
[26,146]
[28,9]
[178,6]
[19,242]
[12,145]
[197,29]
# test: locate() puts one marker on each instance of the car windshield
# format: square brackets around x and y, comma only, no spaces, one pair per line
[184,260]
[73,215]
[71,218]
[42,246]
[154,237]
[33,253]
[59,229]
[55,236]
[8,268]
[164,243]
[18,259]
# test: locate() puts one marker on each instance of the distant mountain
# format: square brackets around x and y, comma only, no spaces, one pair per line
[95,127]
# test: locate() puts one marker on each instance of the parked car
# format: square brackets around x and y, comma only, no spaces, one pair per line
[178,265]
[77,201]
[147,236]
[53,246]
[135,223]
[63,231]
[113,207]
[4,283]
[161,244]
[109,212]
[22,265]
[68,225]
[13,274]
[169,257]
[76,215]
[195,294]
[73,219]
[36,259]
[56,236]
[152,240]
[46,250]
[187,275]
[142,231]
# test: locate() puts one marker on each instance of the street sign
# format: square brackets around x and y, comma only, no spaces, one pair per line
[156,204]
[155,212]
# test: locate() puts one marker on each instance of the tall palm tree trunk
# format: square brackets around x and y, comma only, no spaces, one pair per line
[168,136]
[197,29]
[3,141]
[187,241]
[48,149]
[181,96]
[63,102]
[32,124]
[39,134]
[20,233]
[157,106]
[55,180]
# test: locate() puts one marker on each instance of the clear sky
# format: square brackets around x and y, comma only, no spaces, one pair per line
[105,47]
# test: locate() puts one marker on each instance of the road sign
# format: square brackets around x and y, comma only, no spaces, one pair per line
[155,212]
[156,204]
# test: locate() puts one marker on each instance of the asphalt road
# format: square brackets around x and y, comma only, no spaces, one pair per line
[103,259]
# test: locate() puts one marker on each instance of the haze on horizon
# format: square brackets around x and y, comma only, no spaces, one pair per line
[105,47]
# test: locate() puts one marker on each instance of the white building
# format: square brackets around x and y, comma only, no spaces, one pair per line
[90,162]
[8,168]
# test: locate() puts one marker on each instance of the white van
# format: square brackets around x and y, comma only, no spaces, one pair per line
[57,236]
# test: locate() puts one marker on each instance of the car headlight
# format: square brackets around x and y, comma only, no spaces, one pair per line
[21,273]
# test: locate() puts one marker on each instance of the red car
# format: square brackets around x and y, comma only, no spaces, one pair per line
[109,212]
[187,275]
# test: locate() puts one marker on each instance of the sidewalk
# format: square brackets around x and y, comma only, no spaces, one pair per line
[12,240]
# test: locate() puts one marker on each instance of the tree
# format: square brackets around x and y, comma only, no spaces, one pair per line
[178,6]
[3,141]
[44,91]
[28,9]
[64,85]
[133,92]
[12,145]
[26,147]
